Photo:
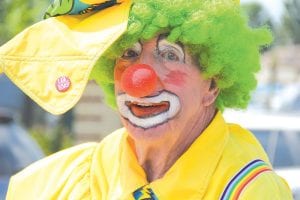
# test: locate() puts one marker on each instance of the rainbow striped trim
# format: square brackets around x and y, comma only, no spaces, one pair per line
[236,185]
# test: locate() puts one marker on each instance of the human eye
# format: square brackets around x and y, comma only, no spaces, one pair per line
[170,55]
[130,54]
[172,52]
[133,52]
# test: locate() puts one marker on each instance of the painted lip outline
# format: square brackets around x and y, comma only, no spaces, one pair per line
[150,121]
[164,106]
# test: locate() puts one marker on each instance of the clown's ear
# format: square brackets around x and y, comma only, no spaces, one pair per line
[51,61]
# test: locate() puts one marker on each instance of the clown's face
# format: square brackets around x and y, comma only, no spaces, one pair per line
[160,91]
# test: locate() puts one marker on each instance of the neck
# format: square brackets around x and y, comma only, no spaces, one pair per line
[156,158]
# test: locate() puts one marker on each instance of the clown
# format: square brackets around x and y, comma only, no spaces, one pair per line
[170,68]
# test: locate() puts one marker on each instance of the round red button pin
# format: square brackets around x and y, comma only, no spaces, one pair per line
[63,83]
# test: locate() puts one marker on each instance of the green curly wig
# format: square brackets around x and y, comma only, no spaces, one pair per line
[214,31]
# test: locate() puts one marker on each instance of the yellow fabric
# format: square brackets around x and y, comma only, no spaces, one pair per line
[1,66]
[61,46]
[110,171]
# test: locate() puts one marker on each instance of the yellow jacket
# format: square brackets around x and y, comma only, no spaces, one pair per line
[225,162]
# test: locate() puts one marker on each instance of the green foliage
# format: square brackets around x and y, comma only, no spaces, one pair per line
[291,20]
[53,140]
[18,14]
[258,16]
[216,33]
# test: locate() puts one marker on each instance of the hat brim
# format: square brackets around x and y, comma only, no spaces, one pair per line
[64,46]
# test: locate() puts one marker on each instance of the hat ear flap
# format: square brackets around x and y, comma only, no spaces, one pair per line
[51,61]
[1,70]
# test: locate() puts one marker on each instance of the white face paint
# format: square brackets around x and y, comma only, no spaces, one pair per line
[175,106]
[171,51]
[169,100]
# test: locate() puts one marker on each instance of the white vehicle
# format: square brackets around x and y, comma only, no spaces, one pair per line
[280,136]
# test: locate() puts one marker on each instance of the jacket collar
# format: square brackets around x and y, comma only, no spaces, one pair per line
[189,176]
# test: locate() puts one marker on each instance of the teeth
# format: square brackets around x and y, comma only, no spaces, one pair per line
[124,100]
[144,104]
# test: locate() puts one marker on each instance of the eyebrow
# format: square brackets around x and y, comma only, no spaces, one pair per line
[178,45]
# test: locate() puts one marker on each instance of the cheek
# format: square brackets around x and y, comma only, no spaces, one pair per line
[176,78]
[119,69]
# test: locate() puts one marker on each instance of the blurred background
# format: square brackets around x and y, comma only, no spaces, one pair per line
[28,133]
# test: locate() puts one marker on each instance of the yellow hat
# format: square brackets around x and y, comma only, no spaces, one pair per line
[51,61]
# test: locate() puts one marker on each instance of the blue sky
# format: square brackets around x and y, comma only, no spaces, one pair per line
[275,7]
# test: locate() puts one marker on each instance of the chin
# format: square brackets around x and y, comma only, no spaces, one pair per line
[151,133]
[151,116]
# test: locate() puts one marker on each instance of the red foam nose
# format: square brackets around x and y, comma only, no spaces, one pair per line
[139,80]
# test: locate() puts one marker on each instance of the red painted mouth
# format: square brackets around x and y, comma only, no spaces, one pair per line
[143,110]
